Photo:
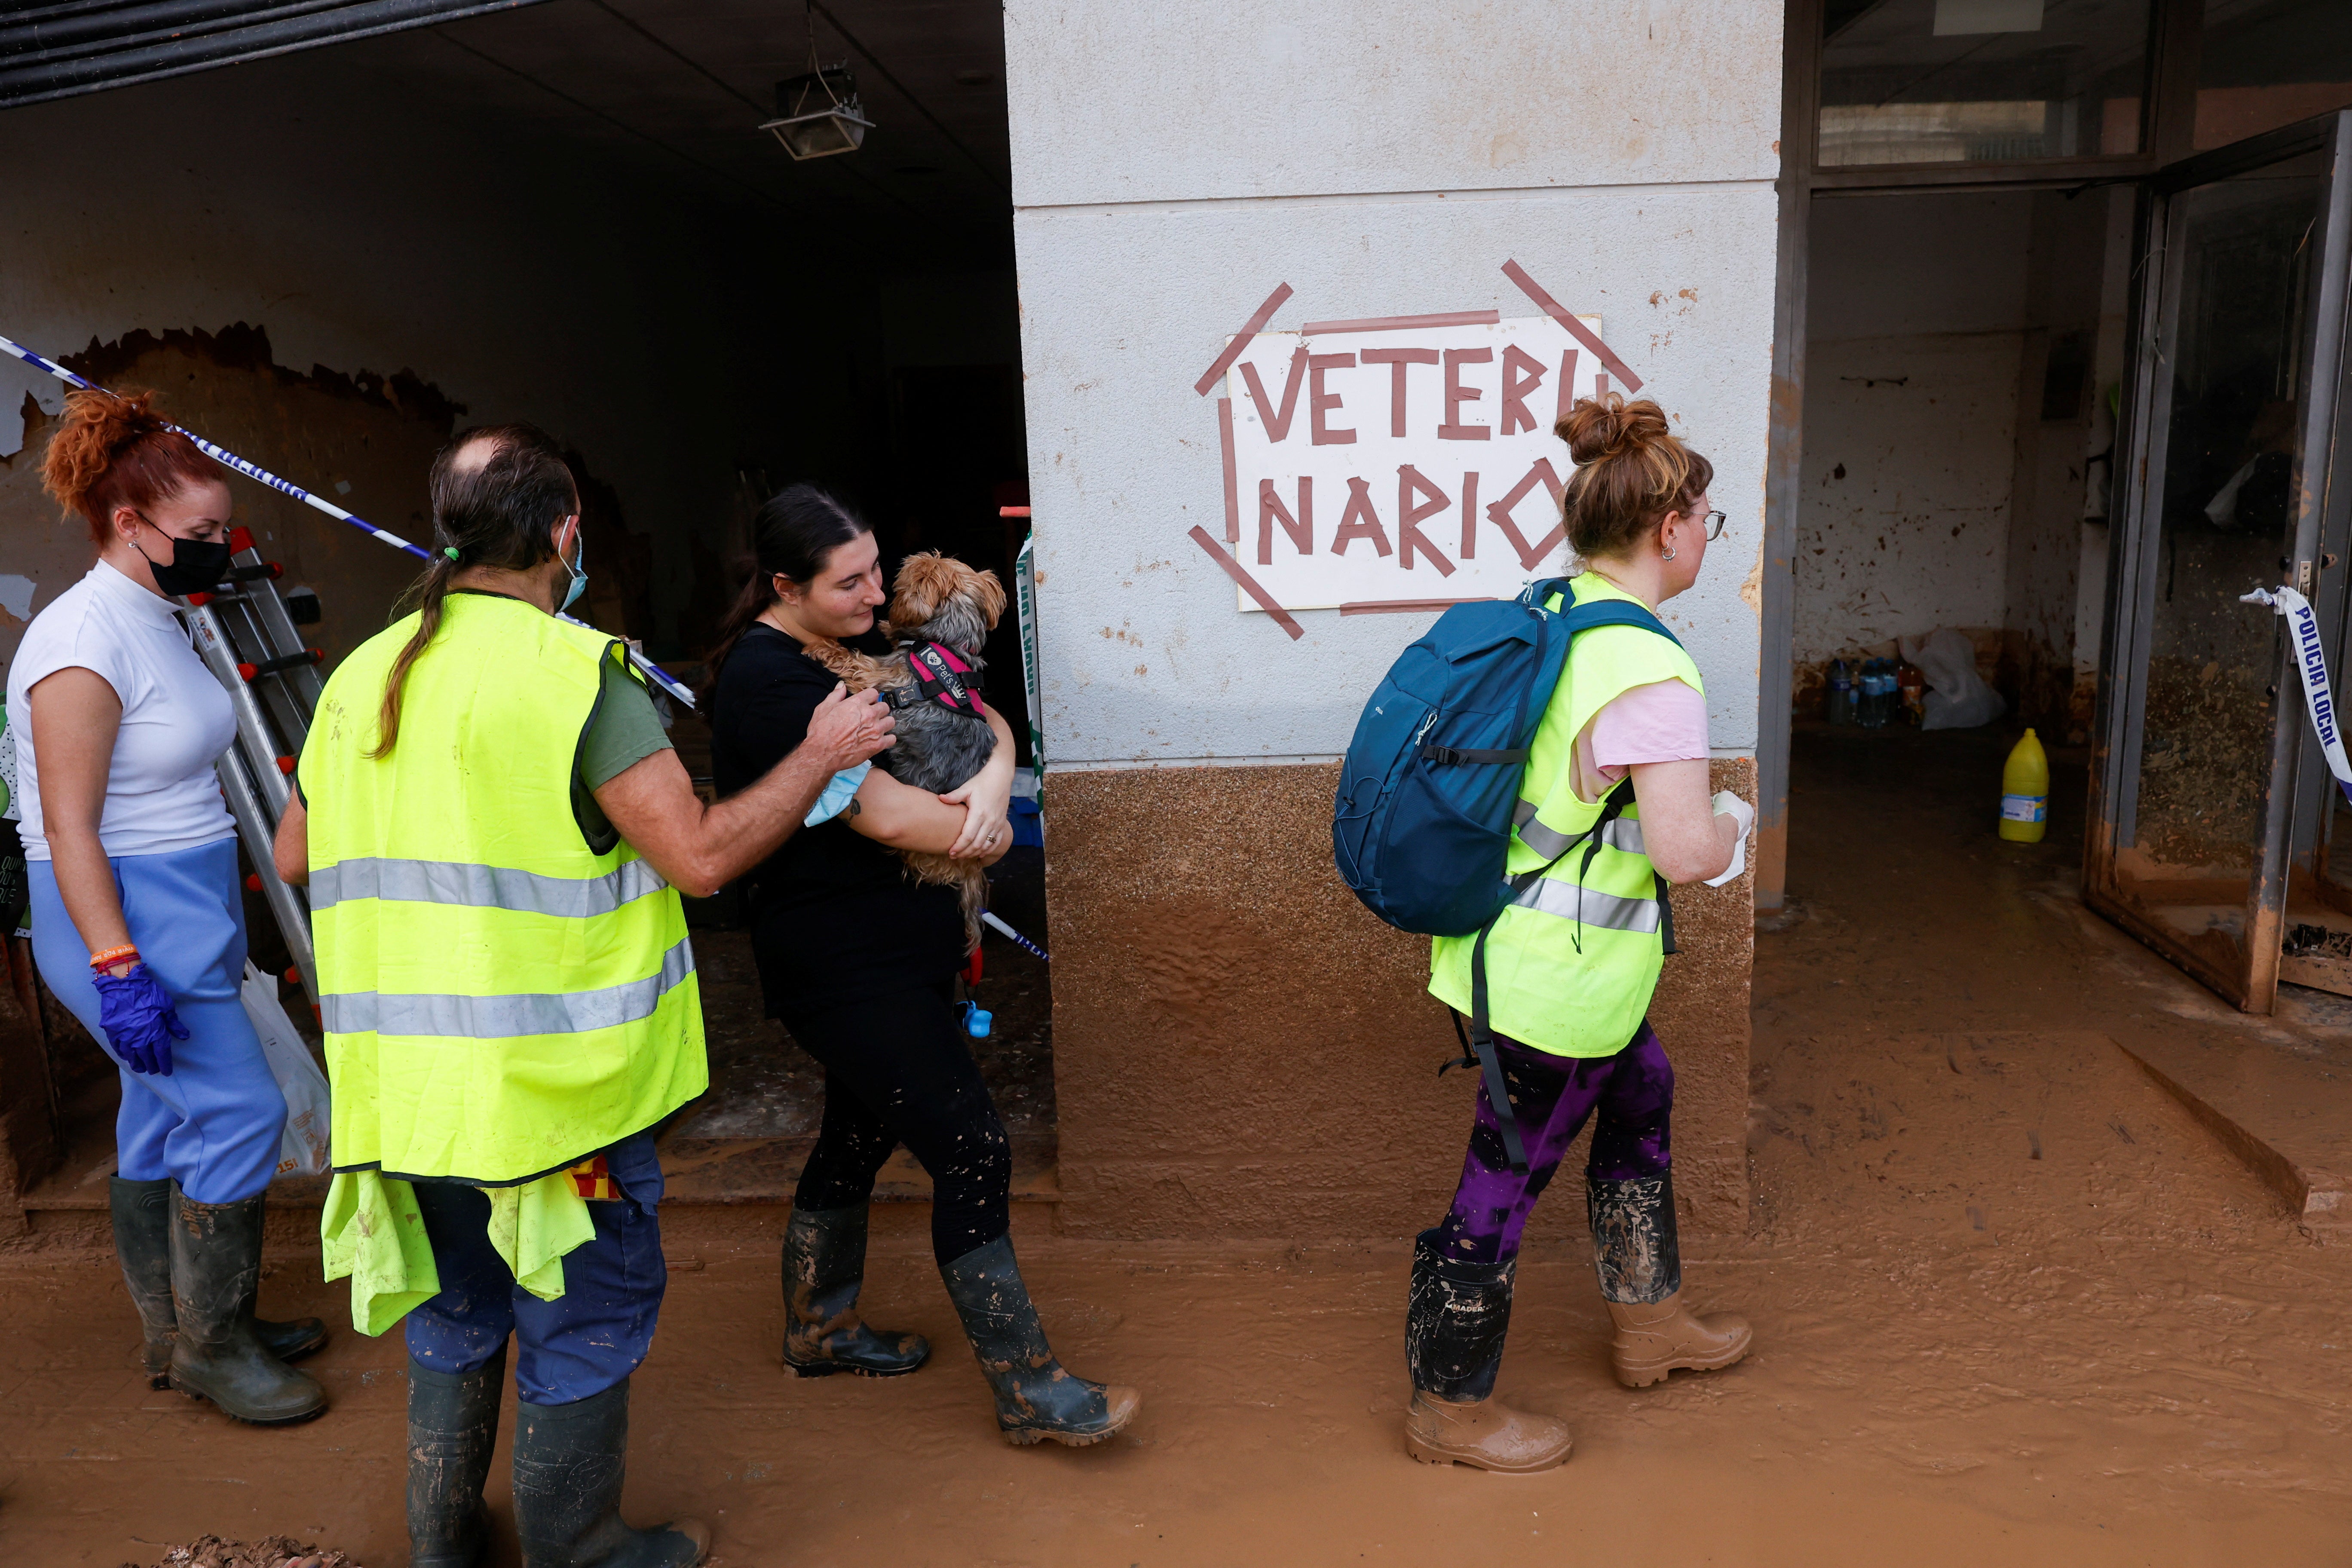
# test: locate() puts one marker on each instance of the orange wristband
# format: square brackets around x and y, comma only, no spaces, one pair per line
[113,955]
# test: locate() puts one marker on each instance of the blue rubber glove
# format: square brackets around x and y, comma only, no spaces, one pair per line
[137,1016]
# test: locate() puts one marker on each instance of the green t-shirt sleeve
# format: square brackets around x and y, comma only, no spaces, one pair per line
[625,731]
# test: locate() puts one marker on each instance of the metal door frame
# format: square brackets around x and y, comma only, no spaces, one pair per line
[2132,559]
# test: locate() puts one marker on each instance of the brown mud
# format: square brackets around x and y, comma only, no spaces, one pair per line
[2012,1305]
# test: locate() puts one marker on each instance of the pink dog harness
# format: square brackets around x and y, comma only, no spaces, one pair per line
[941,675]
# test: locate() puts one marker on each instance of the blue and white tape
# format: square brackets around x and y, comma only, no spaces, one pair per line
[1022,942]
[2311,658]
[255,472]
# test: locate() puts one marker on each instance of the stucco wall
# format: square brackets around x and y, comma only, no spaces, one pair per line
[1240,1050]
[1381,160]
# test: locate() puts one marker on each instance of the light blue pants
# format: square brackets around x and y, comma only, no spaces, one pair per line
[214,1125]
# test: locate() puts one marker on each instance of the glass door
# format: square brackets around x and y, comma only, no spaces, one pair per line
[2233,409]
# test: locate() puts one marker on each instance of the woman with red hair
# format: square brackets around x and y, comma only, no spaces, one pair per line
[138,918]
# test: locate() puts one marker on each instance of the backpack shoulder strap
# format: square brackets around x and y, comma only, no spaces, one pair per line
[1584,617]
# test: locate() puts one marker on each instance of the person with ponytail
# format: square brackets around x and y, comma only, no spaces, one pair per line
[494,829]
[1613,806]
[138,906]
[859,962]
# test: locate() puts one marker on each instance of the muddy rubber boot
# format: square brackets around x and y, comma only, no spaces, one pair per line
[1637,1254]
[1036,1397]
[141,1212]
[824,1265]
[452,1425]
[569,1463]
[215,1354]
[1455,1321]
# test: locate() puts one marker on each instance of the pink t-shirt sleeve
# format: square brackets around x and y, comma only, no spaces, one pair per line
[1664,722]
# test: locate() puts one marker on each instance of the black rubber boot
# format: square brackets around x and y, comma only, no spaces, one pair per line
[1036,1397]
[825,1265]
[569,1463]
[1636,1253]
[142,1240]
[452,1425]
[215,1354]
[1456,1318]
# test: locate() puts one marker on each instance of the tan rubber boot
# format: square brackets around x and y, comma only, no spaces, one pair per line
[1653,1340]
[1485,1433]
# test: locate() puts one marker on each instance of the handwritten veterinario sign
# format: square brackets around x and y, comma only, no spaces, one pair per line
[1402,461]
[1398,463]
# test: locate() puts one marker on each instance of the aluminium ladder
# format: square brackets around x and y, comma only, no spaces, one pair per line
[248,638]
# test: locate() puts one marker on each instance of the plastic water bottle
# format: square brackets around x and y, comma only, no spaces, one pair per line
[1872,700]
[2025,793]
[1840,710]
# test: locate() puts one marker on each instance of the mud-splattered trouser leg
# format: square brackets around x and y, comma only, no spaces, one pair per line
[1633,1092]
[899,1069]
[586,1340]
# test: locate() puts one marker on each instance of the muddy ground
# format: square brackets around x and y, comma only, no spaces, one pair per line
[2013,1306]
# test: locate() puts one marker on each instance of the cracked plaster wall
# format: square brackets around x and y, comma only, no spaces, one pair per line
[367,228]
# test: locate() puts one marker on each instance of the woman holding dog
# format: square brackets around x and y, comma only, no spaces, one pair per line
[858,961]
[1614,804]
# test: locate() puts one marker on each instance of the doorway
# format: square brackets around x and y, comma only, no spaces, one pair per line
[571,216]
[2073,198]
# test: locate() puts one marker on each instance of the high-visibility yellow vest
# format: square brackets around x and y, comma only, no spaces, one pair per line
[1572,963]
[499,1000]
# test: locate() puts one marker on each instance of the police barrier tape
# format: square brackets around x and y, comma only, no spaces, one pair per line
[228,459]
[2311,658]
[1018,941]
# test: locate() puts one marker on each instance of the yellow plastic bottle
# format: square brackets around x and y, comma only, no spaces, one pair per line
[2025,793]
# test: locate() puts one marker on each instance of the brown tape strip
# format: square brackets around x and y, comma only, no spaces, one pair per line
[1250,328]
[1233,490]
[1576,329]
[1249,586]
[1399,606]
[1400,323]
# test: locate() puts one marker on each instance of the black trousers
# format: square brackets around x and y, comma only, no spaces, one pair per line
[899,1069]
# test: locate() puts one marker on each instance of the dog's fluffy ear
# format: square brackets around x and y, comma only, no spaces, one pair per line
[926,580]
[989,594]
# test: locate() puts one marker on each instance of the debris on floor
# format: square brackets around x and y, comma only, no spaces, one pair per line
[276,1552]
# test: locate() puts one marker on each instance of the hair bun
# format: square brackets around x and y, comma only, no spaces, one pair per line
[1609,427]
[98,429]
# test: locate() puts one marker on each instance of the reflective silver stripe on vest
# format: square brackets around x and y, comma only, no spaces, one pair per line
[482,887]
[506,1018]
[1622,833]
[1606,911]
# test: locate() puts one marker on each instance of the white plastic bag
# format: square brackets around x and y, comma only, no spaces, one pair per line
[302,1152]
[1958,698]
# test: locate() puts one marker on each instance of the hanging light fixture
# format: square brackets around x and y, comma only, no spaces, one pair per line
[818,112]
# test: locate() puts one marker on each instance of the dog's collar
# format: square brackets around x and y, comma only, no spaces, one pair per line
[942,676]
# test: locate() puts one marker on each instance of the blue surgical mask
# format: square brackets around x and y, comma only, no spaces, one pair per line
[578,567]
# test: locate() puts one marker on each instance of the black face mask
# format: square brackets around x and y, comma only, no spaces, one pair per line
[197,565]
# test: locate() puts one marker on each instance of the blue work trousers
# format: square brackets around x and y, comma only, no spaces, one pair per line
[583,1342]
[214,1125]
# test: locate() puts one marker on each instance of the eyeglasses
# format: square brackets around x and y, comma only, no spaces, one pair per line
[1715,521]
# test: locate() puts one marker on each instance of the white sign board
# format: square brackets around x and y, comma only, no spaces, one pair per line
[1396,463]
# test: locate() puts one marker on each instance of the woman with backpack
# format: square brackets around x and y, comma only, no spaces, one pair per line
[1614,805]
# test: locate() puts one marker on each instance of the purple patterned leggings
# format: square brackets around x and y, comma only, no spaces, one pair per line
[1634,1092]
